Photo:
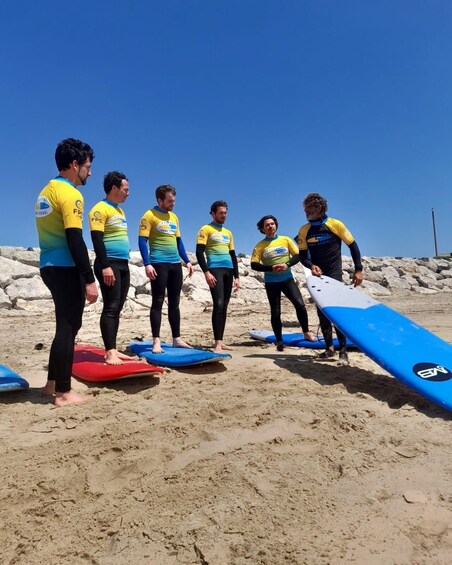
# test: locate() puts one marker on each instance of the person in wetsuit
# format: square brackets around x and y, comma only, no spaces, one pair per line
[319,243]
[162,249]
[274,256]
[108,227]
[64,262]
[220,270]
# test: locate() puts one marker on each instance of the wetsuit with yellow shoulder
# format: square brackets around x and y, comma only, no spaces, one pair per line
[218,243]
[161,229]
[274,251]
[59,207]
[322,240]
[108,218]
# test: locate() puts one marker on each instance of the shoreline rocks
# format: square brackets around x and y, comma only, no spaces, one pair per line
[21,287]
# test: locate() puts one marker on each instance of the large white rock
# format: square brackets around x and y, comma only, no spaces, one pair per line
[11,270]
[29,289]
[28,256]
[5,302]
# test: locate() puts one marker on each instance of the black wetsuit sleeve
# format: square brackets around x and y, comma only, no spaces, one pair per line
[235,265]
[305,259]
[77,247]
[97,238]
[293,260]
[200,248]
[356,256]
[262,268]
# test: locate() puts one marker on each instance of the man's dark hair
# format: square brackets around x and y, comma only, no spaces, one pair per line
[162,190]
[113,178]
[260,223]
[218,204]
[314,198]
[71,149]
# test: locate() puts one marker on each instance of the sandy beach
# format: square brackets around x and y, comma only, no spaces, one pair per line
[269,458]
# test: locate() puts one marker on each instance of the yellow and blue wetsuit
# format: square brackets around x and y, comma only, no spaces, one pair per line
[217,243]
[108,218]
[276,251]
[65,270]
[161,246]
[108,226]
[59,207]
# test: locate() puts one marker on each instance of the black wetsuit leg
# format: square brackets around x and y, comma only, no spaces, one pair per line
[68,293]
[273,290]
[221,294]
[326,326]
[292,292]
[113,298]
[169,277]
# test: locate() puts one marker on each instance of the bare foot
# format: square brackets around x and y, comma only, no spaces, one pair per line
[66,398]
[178,342]
[125,357]
[112,357]
[220,346]
[309,336]
[48,389]
[156,347]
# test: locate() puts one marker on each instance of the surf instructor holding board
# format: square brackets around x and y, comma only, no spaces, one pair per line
[319,243]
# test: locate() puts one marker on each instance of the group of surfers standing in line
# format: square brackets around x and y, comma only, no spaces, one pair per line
[65,267]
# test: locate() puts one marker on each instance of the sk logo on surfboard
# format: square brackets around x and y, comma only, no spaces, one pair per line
[432,372]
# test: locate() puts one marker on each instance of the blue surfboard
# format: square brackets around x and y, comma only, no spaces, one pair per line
[413,355]
[176,356]
[293,339]
[10,380]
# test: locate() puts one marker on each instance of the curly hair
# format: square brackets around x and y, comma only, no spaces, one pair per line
[315,199]
[260,223]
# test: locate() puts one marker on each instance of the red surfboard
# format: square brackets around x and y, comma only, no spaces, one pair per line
[89,365]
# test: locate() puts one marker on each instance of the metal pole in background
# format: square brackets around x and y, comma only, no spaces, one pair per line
[434,232]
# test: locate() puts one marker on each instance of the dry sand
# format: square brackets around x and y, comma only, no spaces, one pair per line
[270,458]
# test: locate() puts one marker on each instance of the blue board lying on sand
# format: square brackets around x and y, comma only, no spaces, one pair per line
[293,340]
[9,380]
[408,351]
[176,356]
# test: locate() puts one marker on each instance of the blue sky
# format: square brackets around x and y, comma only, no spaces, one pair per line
[253,101]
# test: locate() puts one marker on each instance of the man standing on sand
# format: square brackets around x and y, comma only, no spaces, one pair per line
[319,242]
[64,262]
[111,244]
[221,269]
[162,249]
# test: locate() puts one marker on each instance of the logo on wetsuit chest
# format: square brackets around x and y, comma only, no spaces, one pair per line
[319,239]
[273,252]
[432,372]
[218,237]
[117,221]
[167,227]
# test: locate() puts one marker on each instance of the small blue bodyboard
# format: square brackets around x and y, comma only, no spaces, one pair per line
[412,354]
[294,339]
[9,380]
[176,356]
